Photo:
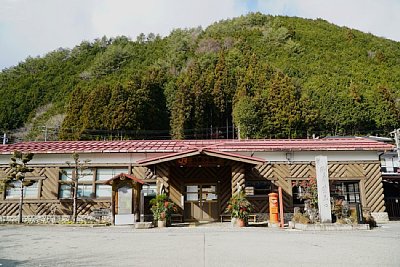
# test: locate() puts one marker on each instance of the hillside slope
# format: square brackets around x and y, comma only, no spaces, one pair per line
[266,76]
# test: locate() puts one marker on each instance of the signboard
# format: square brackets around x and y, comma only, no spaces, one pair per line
[124,200]
[100,212]
[324,198]
[200,161]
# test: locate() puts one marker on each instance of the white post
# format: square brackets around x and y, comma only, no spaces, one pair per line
[324,199]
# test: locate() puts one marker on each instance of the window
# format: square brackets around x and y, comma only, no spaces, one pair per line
[15,192]
[192,193]
[85,183]
[350,191]
[90,184]
[302,190]
[102,175]
[260,188]
[150,190]
[390,165]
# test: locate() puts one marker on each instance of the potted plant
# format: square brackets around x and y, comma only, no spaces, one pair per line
[239,208]
[162,208]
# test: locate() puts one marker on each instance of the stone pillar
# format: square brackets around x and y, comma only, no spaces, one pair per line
[324,198]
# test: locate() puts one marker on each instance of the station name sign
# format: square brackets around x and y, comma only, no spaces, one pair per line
[200,161]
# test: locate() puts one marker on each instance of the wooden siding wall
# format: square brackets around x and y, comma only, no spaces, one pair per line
[373,187]
[47,202]
[277,173]
[225,188]
[51,207]
[180,176]
[368,173]
[139,172]
[238,177]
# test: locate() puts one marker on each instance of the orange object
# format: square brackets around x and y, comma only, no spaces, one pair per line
[273,207]
[281,206]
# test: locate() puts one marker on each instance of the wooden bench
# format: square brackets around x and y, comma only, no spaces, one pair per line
[252,217]
[224,215]
[177,218]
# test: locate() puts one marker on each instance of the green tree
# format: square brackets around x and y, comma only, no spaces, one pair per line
[18,176]
[283,107]
[80,169]
[386,108]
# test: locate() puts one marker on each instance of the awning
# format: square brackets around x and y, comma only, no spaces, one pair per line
[124,176]
[208,152]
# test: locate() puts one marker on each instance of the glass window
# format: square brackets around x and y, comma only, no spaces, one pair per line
[150,190]
[84,176]
[192,193]
[103,190]
[192,188]
[350,191]
[65,191]
[15,192]
[106,174]
[260,187]
[66,174]
[85,190]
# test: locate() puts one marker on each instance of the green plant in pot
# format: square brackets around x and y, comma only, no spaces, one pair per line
[162,208]
[239,208]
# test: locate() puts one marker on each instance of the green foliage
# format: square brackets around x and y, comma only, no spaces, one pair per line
[162,207]
[272,77]
[18,173]
[80,169]
[19,168]
[239,206]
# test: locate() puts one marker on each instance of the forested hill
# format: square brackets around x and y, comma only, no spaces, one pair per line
[266,76]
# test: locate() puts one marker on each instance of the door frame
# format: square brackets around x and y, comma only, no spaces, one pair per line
[200,200]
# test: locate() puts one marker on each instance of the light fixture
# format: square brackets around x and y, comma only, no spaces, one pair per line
[289,156]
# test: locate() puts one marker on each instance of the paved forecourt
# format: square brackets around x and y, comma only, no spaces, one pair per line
[197,246]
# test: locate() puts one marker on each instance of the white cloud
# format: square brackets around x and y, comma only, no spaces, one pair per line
[380,18]
[134,17]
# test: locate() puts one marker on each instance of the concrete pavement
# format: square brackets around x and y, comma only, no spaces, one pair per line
[197,246]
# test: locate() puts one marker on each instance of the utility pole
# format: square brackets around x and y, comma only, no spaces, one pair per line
[4,138]
[396,134]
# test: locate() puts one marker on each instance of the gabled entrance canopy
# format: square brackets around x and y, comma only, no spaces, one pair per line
[122,176]
[207,152]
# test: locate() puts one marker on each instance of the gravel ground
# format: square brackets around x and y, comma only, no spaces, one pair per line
[218,245]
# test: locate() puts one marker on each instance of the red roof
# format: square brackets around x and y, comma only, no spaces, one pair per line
[171,146]
[124,175]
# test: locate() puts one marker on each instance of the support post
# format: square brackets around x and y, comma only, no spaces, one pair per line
[142,203]
[21,202]
[281,206]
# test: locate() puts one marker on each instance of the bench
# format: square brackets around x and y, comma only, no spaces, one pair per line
[252,217]
[177,218]
[223,216]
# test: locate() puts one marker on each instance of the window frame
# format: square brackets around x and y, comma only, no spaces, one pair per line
[38,182]
[267,190]
[94,182]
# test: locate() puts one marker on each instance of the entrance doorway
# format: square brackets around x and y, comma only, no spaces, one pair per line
[201,202]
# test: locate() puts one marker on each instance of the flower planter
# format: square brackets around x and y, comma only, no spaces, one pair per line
[162,223]
[240,222]
[236,222]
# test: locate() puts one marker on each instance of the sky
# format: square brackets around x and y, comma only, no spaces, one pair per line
[36,27]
